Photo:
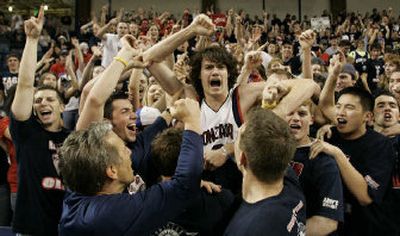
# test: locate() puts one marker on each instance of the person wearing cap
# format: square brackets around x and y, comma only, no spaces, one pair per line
[346,78]
[146,116]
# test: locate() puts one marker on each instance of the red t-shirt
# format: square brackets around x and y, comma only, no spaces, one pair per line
[57,69]
[12,176]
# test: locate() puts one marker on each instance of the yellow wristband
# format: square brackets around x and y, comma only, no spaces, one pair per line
[267,105]
[121,60]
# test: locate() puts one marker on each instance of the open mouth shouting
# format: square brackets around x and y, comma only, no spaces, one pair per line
[215,83]
[387,117]
[341,122]
[131,127]
[295,126]
[45,114]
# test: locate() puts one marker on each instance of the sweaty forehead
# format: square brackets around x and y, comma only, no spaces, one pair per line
[349,99]
[395,76]
[385,98]
[119,104]
[45,93]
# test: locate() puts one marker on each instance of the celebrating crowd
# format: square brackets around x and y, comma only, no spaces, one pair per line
[213,123]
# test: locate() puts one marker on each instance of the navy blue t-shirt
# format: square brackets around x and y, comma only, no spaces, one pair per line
[372,155]
[40,188]
[321,183]
[141,152]
[140,213]
[283,214]
[204,215]
[391,203]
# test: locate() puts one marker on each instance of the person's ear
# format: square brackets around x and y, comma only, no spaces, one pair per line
[243,160]
[112,172]
[369,118]
[62,107]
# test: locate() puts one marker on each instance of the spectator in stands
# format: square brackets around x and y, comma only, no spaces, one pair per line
[37,132]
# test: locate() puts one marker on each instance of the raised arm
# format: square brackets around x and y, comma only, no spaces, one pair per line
[327,99]
[299,90]
[88,71]
[201,25]
[133,87]
[103,88]
[69,67]
[23,100]
[103,30]
[307,39]
[78,53]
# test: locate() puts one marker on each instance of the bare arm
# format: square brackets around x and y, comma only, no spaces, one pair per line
[78,53]
[85,91]
[202,25]
[23,101]
[133,87]
[307,39]
[69,66]
[353,179]
[327,98]
[88,71]
[103,30]
[299,91]
[103,14]
[320,226]
[103,88]
[86,26]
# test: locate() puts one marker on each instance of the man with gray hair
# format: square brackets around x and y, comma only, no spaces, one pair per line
[96,165]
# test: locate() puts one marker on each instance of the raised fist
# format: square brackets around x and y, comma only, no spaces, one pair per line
[202,25]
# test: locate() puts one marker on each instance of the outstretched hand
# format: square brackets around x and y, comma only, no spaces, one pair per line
[33,27]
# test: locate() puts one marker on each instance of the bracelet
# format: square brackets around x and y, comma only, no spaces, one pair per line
[267,105]
[125,63]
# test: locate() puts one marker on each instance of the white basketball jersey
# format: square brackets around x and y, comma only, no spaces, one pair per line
[219,127]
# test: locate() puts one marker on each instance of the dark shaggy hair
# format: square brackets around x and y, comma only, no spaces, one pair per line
[214,54]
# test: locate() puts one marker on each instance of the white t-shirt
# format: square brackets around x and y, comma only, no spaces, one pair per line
[219,127]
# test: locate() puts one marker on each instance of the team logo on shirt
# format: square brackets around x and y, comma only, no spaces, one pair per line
[297,167]
[371,182]
[172,229]
[218,132]
[301,229]
[330,203]
[55,149]
[52,183]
